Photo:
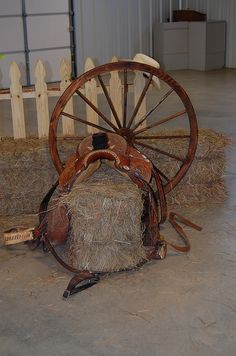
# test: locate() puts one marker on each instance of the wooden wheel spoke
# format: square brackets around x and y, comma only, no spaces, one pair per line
[140,100]
[109,101]
[131,123]
[162,137]
[166,119]
[161,174]
[96,110]
[79,138]
[153,109]
[125,98]
[159,151]
[85,122]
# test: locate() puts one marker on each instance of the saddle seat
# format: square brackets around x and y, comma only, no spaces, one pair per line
[116,153]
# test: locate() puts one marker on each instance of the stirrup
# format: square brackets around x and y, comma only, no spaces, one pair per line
[76,286]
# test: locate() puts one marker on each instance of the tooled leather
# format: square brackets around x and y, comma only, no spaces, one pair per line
[130,161]
[126,159]
[118,151]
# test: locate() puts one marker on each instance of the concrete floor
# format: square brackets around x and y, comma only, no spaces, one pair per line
[184,305]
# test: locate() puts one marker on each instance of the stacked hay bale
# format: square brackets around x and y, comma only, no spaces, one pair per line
[204,181]
[27,171]
[106,210]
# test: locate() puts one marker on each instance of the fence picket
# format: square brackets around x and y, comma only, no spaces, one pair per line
[139,83]
[41,97]
[91,90]
[91,94]
[116,92]
[17,107]
[68,125]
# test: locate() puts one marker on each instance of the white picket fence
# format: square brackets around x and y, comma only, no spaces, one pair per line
[41,92]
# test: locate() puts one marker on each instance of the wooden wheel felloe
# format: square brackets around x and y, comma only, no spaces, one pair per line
[146,120]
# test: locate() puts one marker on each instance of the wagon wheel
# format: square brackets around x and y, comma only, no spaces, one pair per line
[126,120]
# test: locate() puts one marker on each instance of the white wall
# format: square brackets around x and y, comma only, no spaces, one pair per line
[220,10]
[123,27]
[107,28]
[103,28]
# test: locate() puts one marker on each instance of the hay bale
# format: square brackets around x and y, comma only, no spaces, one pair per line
[204,171]
[106,231]
[196,194]
[204,180]
[210,143]
[28,172]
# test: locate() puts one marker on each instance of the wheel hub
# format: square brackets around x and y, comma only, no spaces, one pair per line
[128,134]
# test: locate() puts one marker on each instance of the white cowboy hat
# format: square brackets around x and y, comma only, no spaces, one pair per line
[143,58]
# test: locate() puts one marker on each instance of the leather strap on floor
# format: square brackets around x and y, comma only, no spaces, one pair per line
[172,217]
[181,232]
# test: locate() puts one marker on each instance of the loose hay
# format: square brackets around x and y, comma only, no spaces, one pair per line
[106,231]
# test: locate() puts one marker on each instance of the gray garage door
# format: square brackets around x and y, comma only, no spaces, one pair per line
[32,30]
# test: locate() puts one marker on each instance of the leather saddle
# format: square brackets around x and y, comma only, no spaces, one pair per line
[110,147]
[114,150]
